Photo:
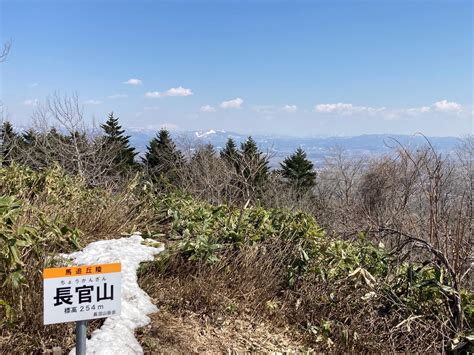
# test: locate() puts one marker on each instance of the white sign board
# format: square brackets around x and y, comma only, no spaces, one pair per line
[81,292]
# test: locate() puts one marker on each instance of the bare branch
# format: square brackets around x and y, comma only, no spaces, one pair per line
[5,51]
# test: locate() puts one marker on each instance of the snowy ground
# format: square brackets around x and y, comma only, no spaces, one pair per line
[117,334]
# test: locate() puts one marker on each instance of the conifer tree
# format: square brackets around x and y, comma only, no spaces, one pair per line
[204,153]
[6,130]
[230,153]
[55,136]
[29,138]
[253,167]
[8,140]
[251,156]
[249,147]
[35,150]
[162,158]
[299,172]
[115,138]
[203,161]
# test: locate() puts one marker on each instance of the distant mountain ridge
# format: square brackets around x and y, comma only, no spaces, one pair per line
[316,147]
[280,146]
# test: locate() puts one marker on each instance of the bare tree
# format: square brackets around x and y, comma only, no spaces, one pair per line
[243,180]
[60,135]
[206,176]
[336,190]
[5,51]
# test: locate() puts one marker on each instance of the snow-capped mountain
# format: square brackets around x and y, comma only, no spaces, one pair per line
[201,134]
[317,148]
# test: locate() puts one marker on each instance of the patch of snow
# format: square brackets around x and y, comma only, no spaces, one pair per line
[117,334]
[205,134]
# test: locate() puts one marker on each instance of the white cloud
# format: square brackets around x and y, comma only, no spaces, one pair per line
[290,108]
[418,110]
[373,110]
[442,106]
[118,96]
[446,106]
[153,94]
[92,102]
[134,82]
[235,103]
[31,102]
[347,109]
[207,108]
[329,108]
[179,91]
[33,85]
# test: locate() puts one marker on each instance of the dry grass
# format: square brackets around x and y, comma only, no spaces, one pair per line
[192,333]
[221,308]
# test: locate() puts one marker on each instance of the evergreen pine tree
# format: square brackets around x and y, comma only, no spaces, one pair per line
[162,158]
[203,161]
[251,156]
[249,148]
[35,151]
[230,153]
[298,172]
[253,166]
[204,153]
[29,138]
[8,140]
[115,139]
[6,130]
[54,136]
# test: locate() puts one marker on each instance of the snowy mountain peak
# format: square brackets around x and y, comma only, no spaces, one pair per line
[200,134]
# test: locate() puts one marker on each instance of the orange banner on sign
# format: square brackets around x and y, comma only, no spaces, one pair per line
[81,270]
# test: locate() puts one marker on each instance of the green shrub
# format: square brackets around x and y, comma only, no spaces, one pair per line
[207,230]
[207,233]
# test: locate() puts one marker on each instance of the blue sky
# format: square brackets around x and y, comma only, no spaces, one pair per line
[284,67]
